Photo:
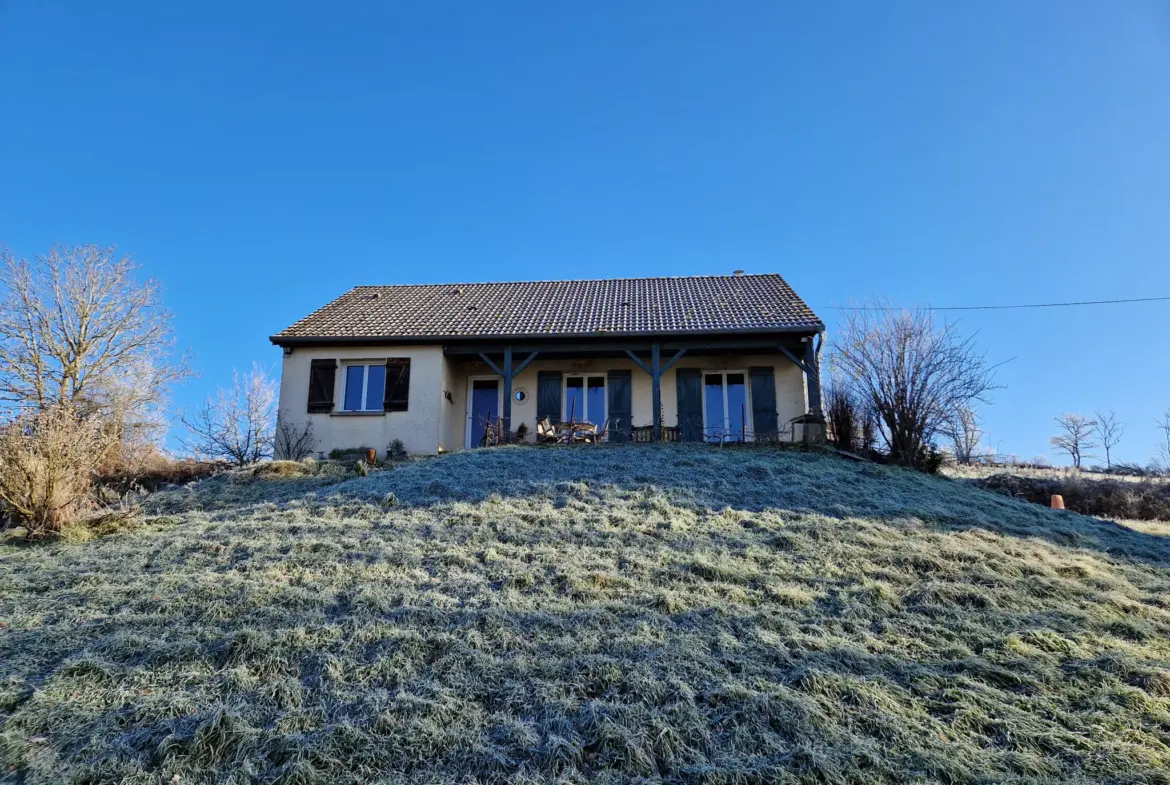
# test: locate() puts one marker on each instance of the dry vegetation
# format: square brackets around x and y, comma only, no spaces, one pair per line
[1103,496]
[675,614]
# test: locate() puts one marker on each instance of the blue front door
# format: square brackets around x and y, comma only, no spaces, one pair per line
[485,407]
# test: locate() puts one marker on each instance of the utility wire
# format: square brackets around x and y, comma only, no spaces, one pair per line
[999,307]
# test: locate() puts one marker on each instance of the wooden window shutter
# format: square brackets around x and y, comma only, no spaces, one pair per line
[764,402]
[397,398]
[620,405]
[322,377]
[548,395]
[690,403]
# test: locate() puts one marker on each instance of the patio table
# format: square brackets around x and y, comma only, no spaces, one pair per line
[578,431]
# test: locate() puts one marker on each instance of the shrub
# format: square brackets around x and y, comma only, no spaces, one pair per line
[522,432]
[294,441]
[361,468]
[154,476]
[348,453]
[1128,470]
[396,451]
[1106,498]
[930,459]
[283,469]
[844,419]
[47,461]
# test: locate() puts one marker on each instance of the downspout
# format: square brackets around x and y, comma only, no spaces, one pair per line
[812,362]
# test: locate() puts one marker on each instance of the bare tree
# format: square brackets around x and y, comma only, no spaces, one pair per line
[78,329]
[1075,438]
[912,371]
[1162,458]
[294,442]
[1108,432]
[237,424]
[964,431]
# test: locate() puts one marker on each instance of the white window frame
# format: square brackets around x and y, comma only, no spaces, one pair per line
[747,400]
[585,377]
[366,364]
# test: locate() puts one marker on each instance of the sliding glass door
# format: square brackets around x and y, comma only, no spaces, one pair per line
[725,406]
[585,399]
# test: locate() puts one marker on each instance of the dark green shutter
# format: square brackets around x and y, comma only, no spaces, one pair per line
[397,395]
[322,376]
[764,402]
[690,404]
[548,395]
[620,405]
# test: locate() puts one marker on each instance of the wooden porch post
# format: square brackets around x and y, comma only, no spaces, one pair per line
[813,372]
[507,373]
[656,382]
[656,369]
[507,410]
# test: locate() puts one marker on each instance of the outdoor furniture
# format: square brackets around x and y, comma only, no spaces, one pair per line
[546,431]
[578,432]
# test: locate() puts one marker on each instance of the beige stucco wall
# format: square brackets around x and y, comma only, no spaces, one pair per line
[450,424]
[419,427]
[433,422]
[790,388]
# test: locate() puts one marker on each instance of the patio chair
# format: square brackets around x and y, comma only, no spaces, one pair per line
[545,431]
[582,432]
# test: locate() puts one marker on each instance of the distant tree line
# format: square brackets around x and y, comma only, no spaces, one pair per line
[1079,436]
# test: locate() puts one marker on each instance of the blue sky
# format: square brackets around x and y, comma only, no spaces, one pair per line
[261,158]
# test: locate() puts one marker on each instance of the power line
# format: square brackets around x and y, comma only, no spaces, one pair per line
[1000,307]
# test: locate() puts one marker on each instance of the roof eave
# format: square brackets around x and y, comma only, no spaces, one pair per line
[326,340]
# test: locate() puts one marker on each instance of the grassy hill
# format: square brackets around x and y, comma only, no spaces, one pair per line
[529,615]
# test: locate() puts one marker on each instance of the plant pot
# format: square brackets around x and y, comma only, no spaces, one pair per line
[371,456]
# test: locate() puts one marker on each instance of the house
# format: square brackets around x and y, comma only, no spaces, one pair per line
[716,358]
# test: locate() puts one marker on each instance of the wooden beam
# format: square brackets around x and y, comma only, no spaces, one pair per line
[799,362]
[524,364]
[692,345]
[656,369]
[520,342]
[641,364]
[656,382]
[491,364]
[672,361]
[506,425]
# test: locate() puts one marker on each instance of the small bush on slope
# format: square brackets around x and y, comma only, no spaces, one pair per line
[672,614]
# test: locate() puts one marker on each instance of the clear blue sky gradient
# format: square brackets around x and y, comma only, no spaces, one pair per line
[261,158]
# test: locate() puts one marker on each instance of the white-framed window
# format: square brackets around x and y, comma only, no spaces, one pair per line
[363,386]
[727,407]
[585,398]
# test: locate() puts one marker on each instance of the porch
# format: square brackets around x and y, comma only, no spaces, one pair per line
[737,389]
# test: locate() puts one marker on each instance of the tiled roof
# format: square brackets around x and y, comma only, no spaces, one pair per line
[627,306]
